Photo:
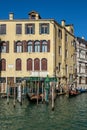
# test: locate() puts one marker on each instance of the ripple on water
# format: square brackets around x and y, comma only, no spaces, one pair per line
[69,114]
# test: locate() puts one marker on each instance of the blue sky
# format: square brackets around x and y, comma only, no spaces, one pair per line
[72,11]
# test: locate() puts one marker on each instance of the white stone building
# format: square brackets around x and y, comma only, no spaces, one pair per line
[81,62]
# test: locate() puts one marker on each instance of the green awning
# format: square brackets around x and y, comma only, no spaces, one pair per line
[34,78]
[50,79]
[53,79]
[46,79]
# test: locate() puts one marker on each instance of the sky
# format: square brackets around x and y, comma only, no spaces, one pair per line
[72,11]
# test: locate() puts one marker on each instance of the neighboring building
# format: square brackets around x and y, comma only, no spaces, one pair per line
[35,47]
[81,65]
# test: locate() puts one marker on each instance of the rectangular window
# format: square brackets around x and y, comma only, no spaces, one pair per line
[29,28]
[44,48]
[44,28]
[59,33]
[85,80]
[86,68]
[66,53]
[80,80]
[79,68]
[33,16]
[70,77]
[60,52]
[59,67]
[19,49]
[37,48]
[30,48]
[66,37]
[66,67]
[3,49]
[18,28]
[86,55]
[2,29]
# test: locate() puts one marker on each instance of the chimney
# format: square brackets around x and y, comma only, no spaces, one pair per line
[83,37]
[63,23]
[11,16]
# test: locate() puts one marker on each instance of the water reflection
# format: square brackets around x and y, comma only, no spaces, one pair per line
[69,114]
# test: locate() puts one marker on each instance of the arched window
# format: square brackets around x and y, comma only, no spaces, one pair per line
[3,65]
[18,64]
[44,64]
[36,64]
[37,46]
[44,46]
[19,47]
[29,46]
[29,64]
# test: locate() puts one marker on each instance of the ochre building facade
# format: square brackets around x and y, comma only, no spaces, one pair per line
[36,47]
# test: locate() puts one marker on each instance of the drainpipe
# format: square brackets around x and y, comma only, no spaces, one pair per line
[54,52]
[63,52]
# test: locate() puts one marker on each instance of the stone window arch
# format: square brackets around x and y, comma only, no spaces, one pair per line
[4,46]
[37,46]
[30,46]
[19,46]
[44,46]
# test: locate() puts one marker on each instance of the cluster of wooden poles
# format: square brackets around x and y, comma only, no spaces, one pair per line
[46,90]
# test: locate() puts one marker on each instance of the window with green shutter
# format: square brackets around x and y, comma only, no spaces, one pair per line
[2,29]
[29,28]
[44,28]
[18,28]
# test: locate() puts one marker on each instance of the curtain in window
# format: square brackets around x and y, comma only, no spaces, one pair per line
[44,46]
[37,46]
[19,47]
[30,46]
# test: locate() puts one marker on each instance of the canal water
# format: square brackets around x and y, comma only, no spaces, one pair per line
[69,114]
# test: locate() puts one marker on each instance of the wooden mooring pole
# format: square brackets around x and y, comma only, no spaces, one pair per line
[42,93]
[52,98]
[19,98]
[14,103]
[7,94]
[37,92]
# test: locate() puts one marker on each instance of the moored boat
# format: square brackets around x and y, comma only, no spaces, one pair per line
[34,98]
[82,90]
[73,93]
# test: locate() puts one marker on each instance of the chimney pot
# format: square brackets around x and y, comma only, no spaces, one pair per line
[11,16]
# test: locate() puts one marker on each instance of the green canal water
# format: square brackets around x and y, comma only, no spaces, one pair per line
[69,114]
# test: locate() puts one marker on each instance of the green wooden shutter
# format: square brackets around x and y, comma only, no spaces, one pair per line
[48,28]
[39,28]
[15,47]
[48,46]
[7,46]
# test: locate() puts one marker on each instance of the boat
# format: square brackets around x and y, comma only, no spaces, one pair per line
[34,98]
[82,90]
[73,93]
[5,96]
[61,93]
